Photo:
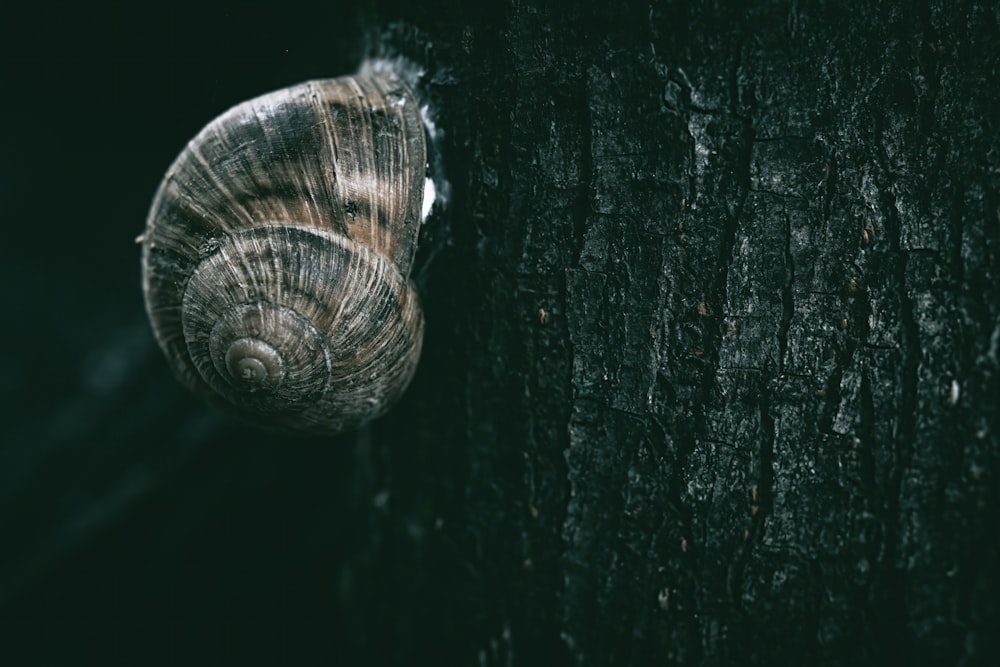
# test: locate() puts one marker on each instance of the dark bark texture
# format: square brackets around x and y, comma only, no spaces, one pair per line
[711,368]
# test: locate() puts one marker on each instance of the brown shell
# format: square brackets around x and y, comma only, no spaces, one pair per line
[277,254]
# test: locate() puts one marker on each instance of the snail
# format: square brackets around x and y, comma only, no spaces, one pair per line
[277,253]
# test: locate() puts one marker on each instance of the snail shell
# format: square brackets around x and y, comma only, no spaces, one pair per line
[277,254]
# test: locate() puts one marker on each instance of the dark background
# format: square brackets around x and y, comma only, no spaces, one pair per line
[136,525]
[653,422]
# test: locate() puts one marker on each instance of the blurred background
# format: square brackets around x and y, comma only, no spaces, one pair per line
[136,525]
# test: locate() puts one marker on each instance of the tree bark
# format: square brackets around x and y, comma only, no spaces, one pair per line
[710,373]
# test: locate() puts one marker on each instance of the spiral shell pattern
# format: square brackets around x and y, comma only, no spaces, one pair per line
[278,249]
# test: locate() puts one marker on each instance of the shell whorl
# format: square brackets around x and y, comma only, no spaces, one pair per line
[278,249]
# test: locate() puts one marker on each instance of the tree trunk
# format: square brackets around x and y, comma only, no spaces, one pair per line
[710,373]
